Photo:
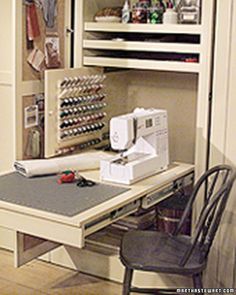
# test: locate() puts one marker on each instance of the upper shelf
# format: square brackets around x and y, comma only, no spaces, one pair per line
[143,28]
[141,46]
[128,63]
[102,51]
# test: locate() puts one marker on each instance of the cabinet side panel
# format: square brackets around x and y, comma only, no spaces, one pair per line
[6,98]
[7,143]
[5,35]
[221,269]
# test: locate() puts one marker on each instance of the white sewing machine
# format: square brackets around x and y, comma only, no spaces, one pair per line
[142,139]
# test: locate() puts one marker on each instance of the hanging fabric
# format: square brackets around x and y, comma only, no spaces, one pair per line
[32,22]
[32,25]
[49,8]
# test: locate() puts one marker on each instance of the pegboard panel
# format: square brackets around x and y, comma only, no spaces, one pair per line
[75,109]
[28,72]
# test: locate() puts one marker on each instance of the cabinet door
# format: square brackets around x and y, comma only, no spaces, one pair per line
[6,98]
[50,48]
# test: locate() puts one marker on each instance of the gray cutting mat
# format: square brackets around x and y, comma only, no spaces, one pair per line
[45,194]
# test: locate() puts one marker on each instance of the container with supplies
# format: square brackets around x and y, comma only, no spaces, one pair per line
[139,15]
[126,12]
[189,11]
[145,11]
[169,213]
[170,16]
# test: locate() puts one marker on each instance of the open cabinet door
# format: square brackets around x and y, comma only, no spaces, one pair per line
[32,56]
[28,248]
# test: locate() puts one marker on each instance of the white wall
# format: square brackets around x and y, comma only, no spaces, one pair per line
[7,115]
[175,92]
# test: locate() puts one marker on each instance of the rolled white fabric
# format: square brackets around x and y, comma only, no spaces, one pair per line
[81,162]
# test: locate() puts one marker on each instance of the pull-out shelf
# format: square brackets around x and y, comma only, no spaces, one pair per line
[141,64]
[38,231]
[143,46]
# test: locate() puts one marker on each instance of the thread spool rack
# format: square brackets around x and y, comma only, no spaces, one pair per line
[75,110]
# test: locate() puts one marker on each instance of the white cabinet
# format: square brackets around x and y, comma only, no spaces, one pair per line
[168,66]
[181,88]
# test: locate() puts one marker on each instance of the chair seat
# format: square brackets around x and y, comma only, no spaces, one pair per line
[158,252]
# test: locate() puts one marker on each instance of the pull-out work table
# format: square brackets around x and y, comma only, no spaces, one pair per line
[45,215]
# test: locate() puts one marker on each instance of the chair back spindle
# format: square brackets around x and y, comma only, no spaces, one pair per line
[216,185]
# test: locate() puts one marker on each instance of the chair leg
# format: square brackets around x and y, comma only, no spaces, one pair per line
[197,282]
[127,281]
